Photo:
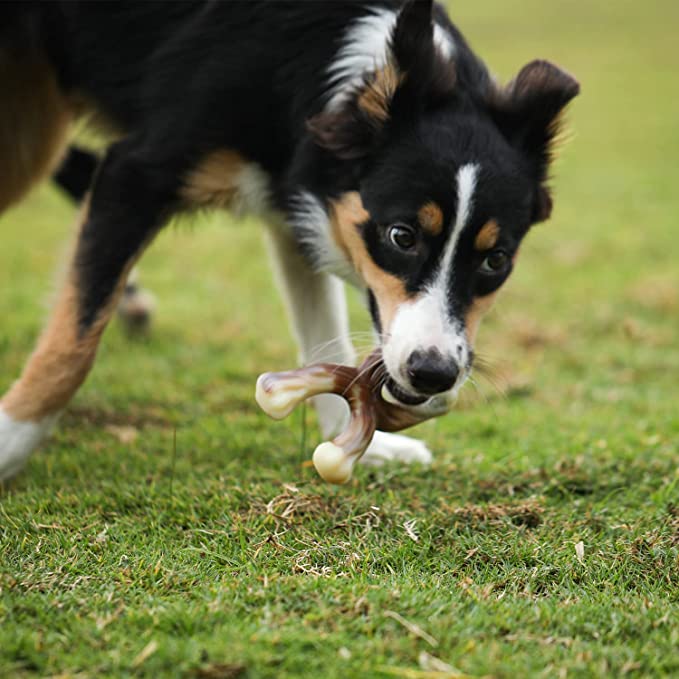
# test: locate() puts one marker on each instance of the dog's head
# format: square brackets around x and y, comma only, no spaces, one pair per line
[452,175]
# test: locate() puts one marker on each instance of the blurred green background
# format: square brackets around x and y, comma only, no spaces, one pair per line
[171,541]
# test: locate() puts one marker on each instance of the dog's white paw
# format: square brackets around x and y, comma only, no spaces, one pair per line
[17,441]
[387,447]
[136,309]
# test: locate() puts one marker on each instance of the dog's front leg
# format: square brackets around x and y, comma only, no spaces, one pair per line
[317,310]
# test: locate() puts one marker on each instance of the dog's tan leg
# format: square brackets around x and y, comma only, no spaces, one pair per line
[126,210]
[58,366]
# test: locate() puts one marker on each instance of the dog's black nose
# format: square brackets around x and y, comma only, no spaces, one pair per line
[430,372]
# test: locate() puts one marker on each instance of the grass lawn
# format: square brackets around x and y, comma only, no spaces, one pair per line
[169,528]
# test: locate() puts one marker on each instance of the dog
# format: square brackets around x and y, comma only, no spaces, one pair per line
[136,306]
[366,133]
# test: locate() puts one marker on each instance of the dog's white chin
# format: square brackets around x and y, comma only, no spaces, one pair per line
[387,396]
[433,406]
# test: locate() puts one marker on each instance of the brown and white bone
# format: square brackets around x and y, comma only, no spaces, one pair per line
[279,393]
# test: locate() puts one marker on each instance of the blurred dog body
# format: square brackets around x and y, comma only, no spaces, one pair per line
[74,176]
[367,134]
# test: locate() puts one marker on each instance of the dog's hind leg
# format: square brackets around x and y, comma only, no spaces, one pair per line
[74,177]
[136,306]
[34,123]
[76,173]
[129,203]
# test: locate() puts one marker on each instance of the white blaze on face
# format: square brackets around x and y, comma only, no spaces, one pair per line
[466,183]
[426,323]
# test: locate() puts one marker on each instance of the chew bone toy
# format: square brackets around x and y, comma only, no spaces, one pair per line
[370,405]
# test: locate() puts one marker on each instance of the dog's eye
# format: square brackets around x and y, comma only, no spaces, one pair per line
[402,236]
[496,262]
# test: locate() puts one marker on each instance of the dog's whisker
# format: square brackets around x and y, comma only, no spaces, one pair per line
[326,351]
[363,343]
[491,378]
[477,390]
[361,373]
[487,367]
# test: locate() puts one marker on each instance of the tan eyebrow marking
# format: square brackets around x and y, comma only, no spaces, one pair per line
[430,217]
[488,236]
[347,212]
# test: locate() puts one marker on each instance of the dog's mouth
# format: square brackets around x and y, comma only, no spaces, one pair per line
[401,396]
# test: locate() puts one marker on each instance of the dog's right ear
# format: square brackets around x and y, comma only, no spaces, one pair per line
[354,128]
[413,76]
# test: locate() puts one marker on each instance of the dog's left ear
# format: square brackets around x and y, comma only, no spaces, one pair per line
[529,113]
[414,75]
[430,75]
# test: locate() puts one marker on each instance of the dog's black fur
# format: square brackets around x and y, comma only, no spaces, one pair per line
[76,172]
[254,80]
[186,78]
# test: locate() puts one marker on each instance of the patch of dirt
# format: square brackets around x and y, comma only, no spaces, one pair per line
[528,513]
[114,420]
[290,505]
[658,293]
[218,671]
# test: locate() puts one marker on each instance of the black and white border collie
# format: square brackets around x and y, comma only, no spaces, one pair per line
[367,133]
